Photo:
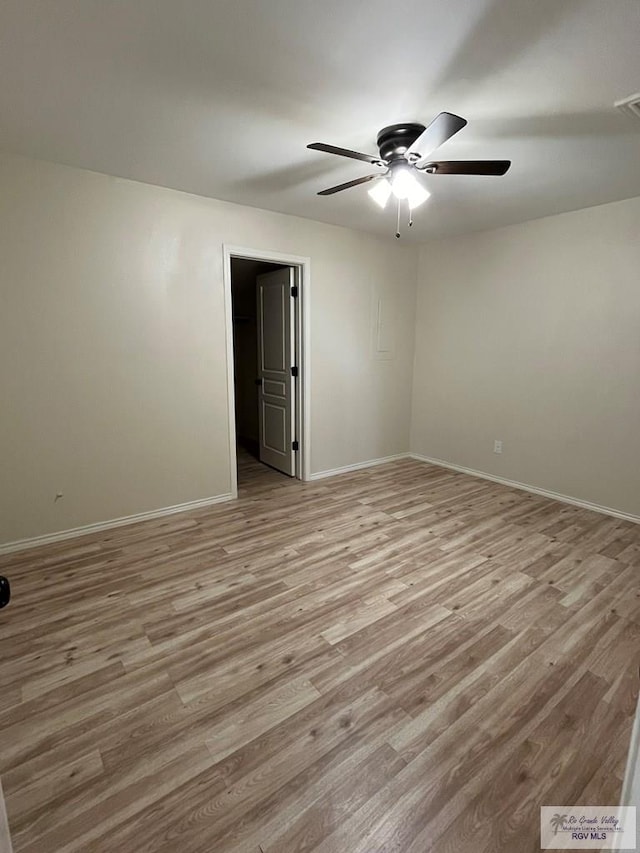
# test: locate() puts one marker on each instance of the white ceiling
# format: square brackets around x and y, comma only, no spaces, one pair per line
[220,98]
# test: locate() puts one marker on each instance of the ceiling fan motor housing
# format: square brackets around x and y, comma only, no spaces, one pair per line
[393,141]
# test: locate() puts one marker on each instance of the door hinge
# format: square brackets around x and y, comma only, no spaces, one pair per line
[294,371]
[294,291]
[295,445]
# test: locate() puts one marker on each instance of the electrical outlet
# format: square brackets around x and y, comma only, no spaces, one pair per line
[497,446]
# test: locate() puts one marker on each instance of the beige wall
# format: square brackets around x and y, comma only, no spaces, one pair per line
[113,375]
[113,361]
[531,334]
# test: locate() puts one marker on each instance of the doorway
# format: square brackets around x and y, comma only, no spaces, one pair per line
[267,317]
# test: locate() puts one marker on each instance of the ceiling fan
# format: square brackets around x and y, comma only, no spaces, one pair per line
[404,151]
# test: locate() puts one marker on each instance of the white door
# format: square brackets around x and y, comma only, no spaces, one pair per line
[276,398]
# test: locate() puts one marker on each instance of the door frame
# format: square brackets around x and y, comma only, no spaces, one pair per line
[302,267]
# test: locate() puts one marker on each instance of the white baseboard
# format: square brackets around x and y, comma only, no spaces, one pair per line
[49,538]
[545,493]
[5,837]
[631,786]
[358,466]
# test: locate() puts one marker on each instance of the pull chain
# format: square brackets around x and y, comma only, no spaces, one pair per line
[398,222]
[410,216]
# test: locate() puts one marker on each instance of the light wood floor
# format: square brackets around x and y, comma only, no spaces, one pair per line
[400,659]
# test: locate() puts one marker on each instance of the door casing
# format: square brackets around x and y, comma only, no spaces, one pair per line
[302,268]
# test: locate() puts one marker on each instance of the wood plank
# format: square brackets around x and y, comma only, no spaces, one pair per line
[400,658]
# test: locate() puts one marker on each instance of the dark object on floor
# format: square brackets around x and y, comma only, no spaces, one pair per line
[5,592]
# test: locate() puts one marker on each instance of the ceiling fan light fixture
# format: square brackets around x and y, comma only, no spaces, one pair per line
[404,150]
[380,192]
[405,185]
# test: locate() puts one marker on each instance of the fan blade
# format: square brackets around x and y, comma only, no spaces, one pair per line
[443,127]
[467,167]
[349,184]
[346,152]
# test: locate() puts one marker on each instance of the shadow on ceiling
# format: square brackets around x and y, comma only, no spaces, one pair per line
[507,30]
